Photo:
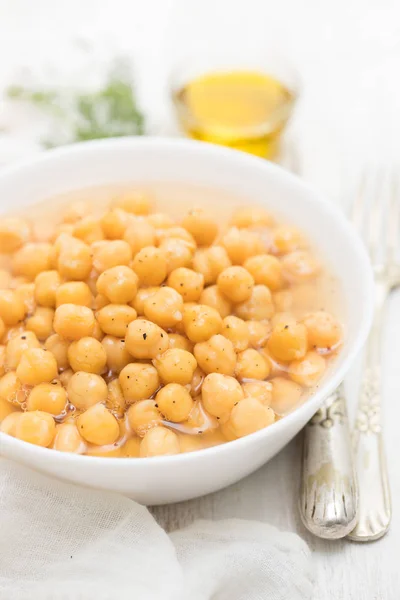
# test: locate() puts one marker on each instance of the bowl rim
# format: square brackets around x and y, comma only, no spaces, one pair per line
[200,149]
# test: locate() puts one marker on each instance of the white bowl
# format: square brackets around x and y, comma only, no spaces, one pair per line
[175,478]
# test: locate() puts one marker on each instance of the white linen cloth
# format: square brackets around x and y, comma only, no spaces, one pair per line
[63,542]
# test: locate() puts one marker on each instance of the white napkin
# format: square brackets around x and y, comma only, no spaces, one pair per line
[63,542]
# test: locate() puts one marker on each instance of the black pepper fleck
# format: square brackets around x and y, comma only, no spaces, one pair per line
[286,327]
[23,337]
[144,336]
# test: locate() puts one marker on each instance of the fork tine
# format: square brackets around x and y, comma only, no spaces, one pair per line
[394,221]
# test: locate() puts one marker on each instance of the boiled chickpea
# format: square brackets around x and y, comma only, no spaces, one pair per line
[140,298]
[150,265]
[217,354]
[201,226]
[2,328]
[200,322]
[106,451]
[220,393]
[58,346]
[174,402]
[116,353]
[9,424]
[164,307]
[145,339]
[5,279]
[26,292]
[111,253]
[235,330]
[228,431]
[176,340]
[115,318]
[12,332]
[87,354]
[86,389]
[10,387]
[73,322]
[68,439]
[249,416]
[115,400]
[89,230]
[143,415]
[100,301]
[323,330]
[286,395]
[261,390]
[131,448]
[36,366]
[2,360]
[14,233]
[36,427]
[175,232]
[159,441]
[137,203]
[176,366]
[212,296]
[119,284]
[46,284]
[31,259]
[74,260]
[258,307]
[210,262]
[74,292]
[236,283]
[12,308]
[98,426]
[178,253]
[18,281]
[251,217]
[259,332]
[17,345]
[48,397]
[41,322]
[77,210]
[266,270]
[114,223]
[288,340]
[287,239]
[160,220]
[65,376]
[240,244]
[283,300]
[300,266]
[139,235]
[187,282]
[307,371]
[6,408]
[251,365]
[139,381]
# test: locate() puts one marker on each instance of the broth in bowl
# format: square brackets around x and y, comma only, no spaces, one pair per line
[132,325]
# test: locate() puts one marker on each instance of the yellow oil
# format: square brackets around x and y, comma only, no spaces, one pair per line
[246,110]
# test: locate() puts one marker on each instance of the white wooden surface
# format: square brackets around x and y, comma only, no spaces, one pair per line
[348,53]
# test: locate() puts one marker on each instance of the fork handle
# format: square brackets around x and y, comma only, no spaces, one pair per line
[328,492]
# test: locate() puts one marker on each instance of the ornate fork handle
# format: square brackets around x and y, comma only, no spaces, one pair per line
[328,493]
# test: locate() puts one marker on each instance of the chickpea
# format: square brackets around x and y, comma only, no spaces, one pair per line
[2,360]
[9,424]
[41,322]
[251,217]
[106,451]
[58,346]
[323,330]
[48,397]
[74,260]
[87,354]
[283,300]
[213,297]
[115,400]
[266,270]
[220,393]
[12,308]
[217,354]
[286,395]
[46,284]
[145,339]
[175,232]
[235,330]
[176,340]
[116,353]
[12,332]
[115,318]
[210,262]
[287,239]
[68,439]
[73,322]
[137,203]
[252,365]
[18,281]
[178,253]
[131,448]
[288,340]
[139,381]
[10,386]
[240,244]
[261,390]
[164,307]
[100,301]
[201,226]
[250,415]
[89,230]
[119,284]
[98,426]
[228,432]
[17,345]
[139,235]
[111,253]
[77,210]
[141,296]
[159,441]
[236,283]
[66,376]
[160,220]
[200,322]
[2,328]
[259,332]
[176,366]
[31,259]
[14,233]
[150,265]
[26,292]
[5,279]
[86,389]
[114,224]
[143,415]
[36,427]
[174,402]
[258,307]
[36,366]
[6,408]
[74,292]
[300,266]
[307,371]
[187,282]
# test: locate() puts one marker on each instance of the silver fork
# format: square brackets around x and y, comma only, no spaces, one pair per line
[379,224]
